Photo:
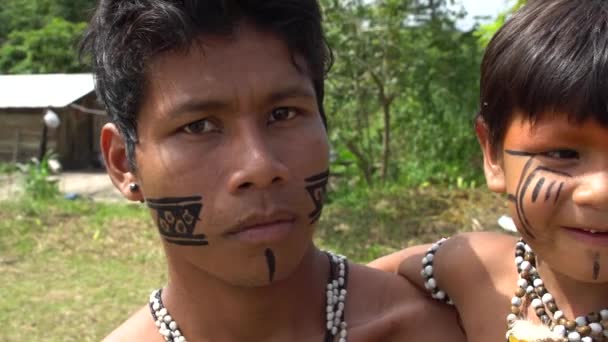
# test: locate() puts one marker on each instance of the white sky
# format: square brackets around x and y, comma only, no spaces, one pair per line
[481,8]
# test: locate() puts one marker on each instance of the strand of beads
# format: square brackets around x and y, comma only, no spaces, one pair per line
[427,273]
[164,322]
[336,298]
[530,287]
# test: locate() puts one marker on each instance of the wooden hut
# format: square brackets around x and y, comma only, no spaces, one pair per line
[24,99]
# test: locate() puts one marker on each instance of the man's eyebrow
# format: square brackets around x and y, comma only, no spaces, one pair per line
[290,92]
[198,106]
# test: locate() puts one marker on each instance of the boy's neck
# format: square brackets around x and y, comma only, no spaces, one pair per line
[210,310]
[575,298]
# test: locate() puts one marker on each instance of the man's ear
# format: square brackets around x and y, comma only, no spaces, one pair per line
[114,152]
[492,163]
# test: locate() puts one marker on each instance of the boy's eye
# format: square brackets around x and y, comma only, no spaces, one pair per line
[561,154]
[199,127]
[282,114]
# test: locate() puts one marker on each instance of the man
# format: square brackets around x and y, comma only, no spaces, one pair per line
[218,126]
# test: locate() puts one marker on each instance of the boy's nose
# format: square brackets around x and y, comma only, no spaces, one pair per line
[593,191]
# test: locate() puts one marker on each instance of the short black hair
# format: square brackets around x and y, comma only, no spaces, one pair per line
[125,34]
[550,57]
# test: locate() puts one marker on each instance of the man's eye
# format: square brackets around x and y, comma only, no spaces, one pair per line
[282,114]
[561,154]
[199,127]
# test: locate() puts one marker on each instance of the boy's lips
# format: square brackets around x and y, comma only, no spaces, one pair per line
[263,228]
[589,235]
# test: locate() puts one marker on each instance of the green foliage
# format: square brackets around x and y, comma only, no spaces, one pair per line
[38,182]
[485,32]
[402,94]
[40,36]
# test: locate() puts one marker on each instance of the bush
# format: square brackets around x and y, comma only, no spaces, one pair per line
[38,182]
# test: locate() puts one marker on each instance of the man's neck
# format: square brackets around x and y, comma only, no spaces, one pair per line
[208,309]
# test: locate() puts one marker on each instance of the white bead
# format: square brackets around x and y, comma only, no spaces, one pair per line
[336,323]
[335,299]
[606,333]
[181,339]
[330,316]
[527,248]
[330,294]
[339,313]
[341,298]
[580,321]
[422,273]
[586,339]
[162,312]
[156,306]
[428,270]
[596,328]
[518,260]
[523,283]
[604,314]
[341,281]
[343,325]
[341,306]
[342,340]
[343,333]
[432,283]
[165,332]
[330,324]
[547,298]
[529,290]
[538,282]
[341,273]
[516,301]
[430,257]
[330,286]
[574,337]
[173,325]
[329,308]
[177,333]
[440,295]
[434,247]
[558,314]
[343,292]
[335,283]
[560,330]
[425,261]
[334,330]
[511,318]
[167,319]
[536,303]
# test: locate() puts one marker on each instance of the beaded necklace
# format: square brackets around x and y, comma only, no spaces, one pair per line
[590,328]
[334,314]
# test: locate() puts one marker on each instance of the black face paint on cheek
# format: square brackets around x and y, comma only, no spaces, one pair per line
[271,264]
[528,174]
[176,219]
[596,266]
[317,188]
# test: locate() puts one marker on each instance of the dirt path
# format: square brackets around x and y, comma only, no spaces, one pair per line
[94,185]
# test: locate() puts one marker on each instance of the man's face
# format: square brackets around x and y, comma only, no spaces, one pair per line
[556,177]
[233,157]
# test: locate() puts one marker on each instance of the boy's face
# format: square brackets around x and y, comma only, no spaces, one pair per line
[555,174]
[232,158]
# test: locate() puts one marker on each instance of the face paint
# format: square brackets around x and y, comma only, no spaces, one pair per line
[596,266]
[529,174]
[317,188]
[271,264]
[176,219]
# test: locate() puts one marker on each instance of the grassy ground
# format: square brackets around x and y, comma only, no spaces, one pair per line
[72,271]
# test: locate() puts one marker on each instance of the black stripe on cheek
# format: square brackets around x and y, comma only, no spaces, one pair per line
[548,194]
[537,189]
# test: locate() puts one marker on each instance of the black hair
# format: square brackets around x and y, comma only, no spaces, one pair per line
[125,34]
[550,58]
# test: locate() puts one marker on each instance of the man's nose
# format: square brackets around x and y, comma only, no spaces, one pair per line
[592,190]
[257,165]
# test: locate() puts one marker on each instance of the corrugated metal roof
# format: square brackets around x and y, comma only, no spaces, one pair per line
[45,90]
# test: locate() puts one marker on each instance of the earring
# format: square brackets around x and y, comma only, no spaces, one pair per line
[134,187]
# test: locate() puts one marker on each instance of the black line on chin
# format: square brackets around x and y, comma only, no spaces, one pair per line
[270,260]
[596,266]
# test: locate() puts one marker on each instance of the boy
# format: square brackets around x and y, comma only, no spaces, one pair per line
[543,129]
[218,126]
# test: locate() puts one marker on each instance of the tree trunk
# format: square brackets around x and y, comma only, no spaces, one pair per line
[386,138]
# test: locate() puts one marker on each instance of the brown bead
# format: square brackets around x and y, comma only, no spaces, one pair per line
[520,292]
[593,317]
[515,310]
[584,330]
[529,257]
[570,325]
[540,311]
[541,291]
[604,323]
[551,306]
[525,274]
[562,321]
[519,252]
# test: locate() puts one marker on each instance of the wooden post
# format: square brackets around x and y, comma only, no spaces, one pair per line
[17,143]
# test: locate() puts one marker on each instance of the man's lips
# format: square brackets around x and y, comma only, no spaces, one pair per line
[258,228]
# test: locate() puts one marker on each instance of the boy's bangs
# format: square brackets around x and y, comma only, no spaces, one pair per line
[564,69]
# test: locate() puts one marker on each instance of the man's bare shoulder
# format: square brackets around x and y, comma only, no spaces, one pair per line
[384,306]
[139,327]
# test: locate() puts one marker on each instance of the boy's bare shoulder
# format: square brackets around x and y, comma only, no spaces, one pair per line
[384,306]
[139,327]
